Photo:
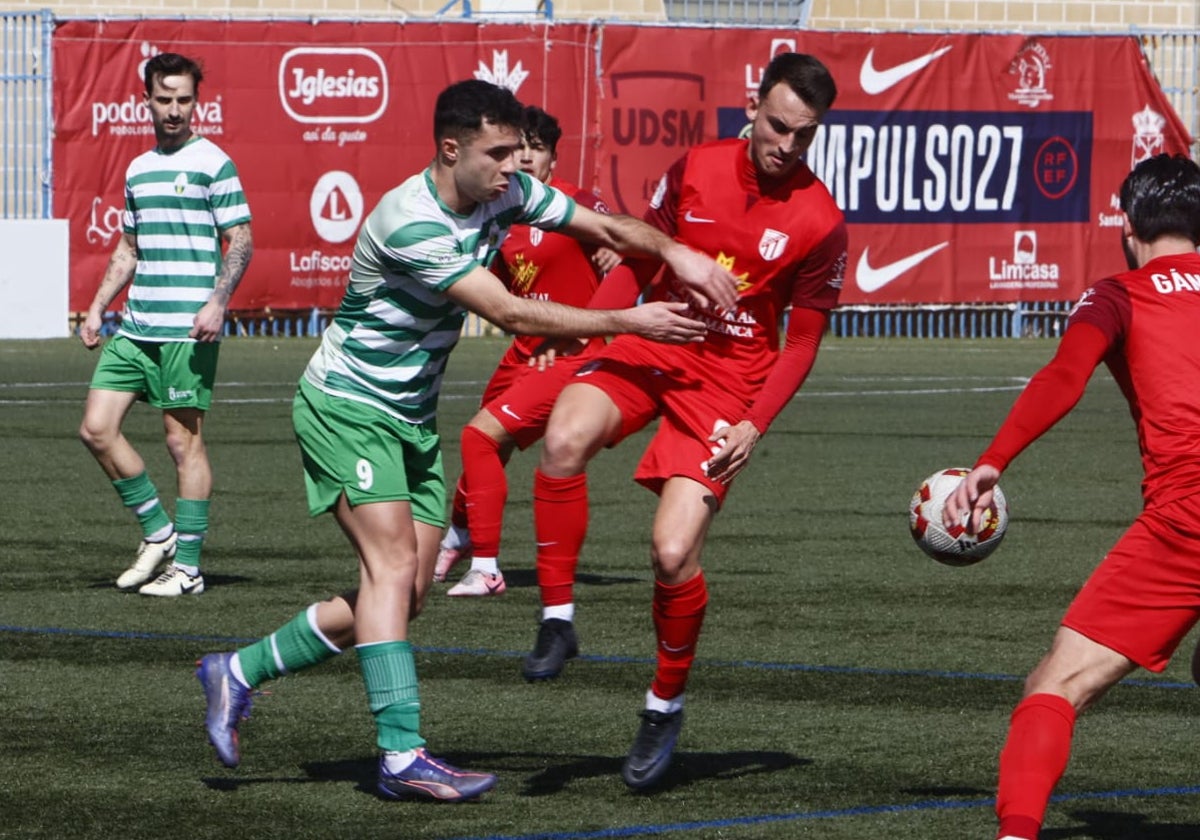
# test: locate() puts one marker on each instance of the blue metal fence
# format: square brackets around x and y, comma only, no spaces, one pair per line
[25,115]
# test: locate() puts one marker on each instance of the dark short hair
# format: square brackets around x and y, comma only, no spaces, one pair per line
[805,75]
[538,125]
[171,64]
[1161,197]
[462,108]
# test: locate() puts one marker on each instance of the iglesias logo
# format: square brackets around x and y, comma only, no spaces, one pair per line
[333,85]
[336,206]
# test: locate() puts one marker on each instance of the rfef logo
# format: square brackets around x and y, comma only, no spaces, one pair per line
[333,85]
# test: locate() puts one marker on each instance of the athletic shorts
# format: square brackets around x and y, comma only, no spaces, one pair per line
[167,374]
[1144,596]
[645,379]
[353,448]
[521,397]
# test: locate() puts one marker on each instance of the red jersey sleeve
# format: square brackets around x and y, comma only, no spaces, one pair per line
[805,328]
[621,286]
[819,277]
[665,203]
[1095,326]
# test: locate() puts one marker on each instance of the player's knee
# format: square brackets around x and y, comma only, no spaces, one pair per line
[95,437]
[671,556]
[184,447]
[566,448]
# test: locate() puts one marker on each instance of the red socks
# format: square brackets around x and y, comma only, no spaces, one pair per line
[1032,761]
[560,516]
[678,615]
[485,486]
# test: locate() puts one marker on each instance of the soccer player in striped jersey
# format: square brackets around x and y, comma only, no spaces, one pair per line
[366,410]
[1144,596]
[183,199]
[518,397]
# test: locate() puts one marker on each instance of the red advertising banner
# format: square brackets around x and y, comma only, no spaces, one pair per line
[971,168]
[320,119]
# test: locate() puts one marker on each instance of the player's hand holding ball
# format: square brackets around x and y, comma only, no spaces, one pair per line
[959,516]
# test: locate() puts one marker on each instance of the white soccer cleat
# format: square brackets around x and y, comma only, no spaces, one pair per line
[174,582]
[476,583]
[149,557]
[447,559]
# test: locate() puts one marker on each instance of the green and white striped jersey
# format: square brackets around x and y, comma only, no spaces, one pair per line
[176,204]
[388,343]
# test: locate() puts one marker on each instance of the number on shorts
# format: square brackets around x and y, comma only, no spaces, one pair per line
[366,475]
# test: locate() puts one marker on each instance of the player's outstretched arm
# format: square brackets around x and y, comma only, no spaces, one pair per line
[482,292]
[708,282]
[1047,398]
[121,267]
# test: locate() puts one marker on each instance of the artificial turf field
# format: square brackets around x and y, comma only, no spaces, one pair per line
[846,687]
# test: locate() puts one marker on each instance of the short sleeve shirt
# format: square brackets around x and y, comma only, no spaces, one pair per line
[176,205]
[388,342]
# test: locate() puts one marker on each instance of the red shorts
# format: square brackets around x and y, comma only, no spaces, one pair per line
[1144,596]
[645,379]
[521,397]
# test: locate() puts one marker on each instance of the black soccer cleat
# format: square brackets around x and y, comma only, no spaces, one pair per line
[650,755]
[556,643]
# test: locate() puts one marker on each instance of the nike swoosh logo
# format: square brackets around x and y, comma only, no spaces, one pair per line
[510,412]
[690,217]
[872,279]
[670,649]
[877,81]
[547,544]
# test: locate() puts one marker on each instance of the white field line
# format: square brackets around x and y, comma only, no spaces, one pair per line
[1014,384]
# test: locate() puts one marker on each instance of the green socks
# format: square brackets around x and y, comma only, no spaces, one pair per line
[293,647]
[139,495]
[191,523]
[390,675]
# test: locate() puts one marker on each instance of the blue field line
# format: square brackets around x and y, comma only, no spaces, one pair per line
[859,811]
[745,664]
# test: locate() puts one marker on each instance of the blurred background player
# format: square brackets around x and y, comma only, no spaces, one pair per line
[517,400]
[365,413]
[1144,596]
[182,198]
[754,206]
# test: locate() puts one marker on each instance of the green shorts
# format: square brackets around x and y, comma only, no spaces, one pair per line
[169,374]
[350,447]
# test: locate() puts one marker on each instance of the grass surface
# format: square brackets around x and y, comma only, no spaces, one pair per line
[847,686]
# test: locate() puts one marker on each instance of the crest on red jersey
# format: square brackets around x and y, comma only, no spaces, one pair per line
[772,244]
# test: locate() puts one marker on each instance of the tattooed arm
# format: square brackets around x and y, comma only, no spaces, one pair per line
[121,267]
[210,320]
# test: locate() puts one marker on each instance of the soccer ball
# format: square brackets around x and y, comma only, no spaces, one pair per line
[954,546]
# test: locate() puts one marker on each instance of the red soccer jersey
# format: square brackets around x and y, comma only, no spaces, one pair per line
[542,265]
[785,241]
[1151,316]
